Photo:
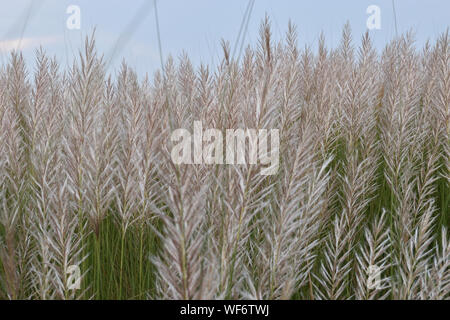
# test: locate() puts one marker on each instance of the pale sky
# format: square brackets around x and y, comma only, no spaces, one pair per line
[197,26]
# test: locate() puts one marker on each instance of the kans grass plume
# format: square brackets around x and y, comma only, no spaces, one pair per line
[358,208]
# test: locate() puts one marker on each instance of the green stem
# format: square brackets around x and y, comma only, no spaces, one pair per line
[122,244]
[141,243]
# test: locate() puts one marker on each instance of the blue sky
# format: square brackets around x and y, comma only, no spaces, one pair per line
[196,27]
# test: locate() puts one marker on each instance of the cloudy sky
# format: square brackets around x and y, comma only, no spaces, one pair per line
[128,29]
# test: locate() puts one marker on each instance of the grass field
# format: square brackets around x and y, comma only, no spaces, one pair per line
[358,208]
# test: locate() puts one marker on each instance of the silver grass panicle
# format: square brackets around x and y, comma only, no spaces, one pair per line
[280,267]
[344,57]
[291,103]
[227,83]
[16,157]
[429,123]
[10,209]
[4,218]
[186,86]
[431,132]
[67,246]
[226,104]
[204,100]
[317,89]
[83,96]
[373,256]
[53,224]
[241,200]
[214,94]
[291,230]
[174,109]
[321,107]
[129,156]
[100,159]
[356,98]
[183,269]
[332,281]
[130,101]
[400,107]
[440,105]
[44,119]
[414,230]
[414,256]
[441,95]
[148,183]
[44,167]
[414,214]
[306,74]
[7,220]
[186,269]
[435,281]
[397,133]
[41,268]
[358,127]
[399,111]
[426,178]
[153,135]
[245,191]
[84,100]
[427,139]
